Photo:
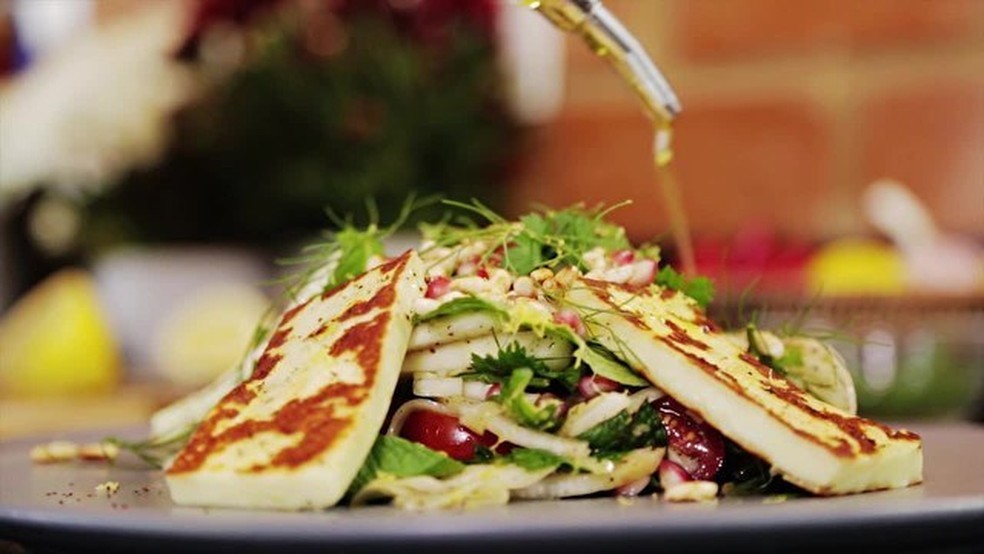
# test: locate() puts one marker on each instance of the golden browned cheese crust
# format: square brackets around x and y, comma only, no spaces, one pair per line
[313,422]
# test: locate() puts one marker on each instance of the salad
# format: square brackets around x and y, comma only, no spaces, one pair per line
[540,358]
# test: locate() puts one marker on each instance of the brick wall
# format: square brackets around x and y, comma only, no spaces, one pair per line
[790,109]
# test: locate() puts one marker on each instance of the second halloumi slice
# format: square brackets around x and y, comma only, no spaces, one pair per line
[295,433]
[825,450]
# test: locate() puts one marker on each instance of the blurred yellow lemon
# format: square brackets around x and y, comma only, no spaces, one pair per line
[207,333]
[857,267]
[56,340]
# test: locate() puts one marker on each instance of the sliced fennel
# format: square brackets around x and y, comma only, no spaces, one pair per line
[635,465]
[477,485]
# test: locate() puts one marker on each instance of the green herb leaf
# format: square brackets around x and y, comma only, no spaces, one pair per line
[603,362]
[548,239]
[500,367]
[533,459]
[402,458]
[355,247]
[458,306]
[513,398]
[792,356]
[625,432]
[699,288]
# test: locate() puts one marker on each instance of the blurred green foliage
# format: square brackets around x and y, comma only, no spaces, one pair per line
[944,381]
[291,131]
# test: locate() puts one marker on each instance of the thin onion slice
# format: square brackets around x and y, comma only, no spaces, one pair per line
[487,416]
[438,387]
[451,329]
[645,396]
[599,409]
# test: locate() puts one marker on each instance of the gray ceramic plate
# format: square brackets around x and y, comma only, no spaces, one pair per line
[56,507]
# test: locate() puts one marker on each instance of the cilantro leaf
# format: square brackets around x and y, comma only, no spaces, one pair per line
[513,399]
[558,238]
[500,367]
[699,288]
[402,458]
[624,432]
[467,304]
[533,459]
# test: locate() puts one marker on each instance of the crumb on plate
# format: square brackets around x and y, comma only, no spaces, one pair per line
[54,452]
[109,488]
[692,491]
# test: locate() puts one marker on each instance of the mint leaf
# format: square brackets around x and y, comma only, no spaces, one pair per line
[402,458]
[624,432]
[467,304]
[699,288]
[513,399]
[533,459]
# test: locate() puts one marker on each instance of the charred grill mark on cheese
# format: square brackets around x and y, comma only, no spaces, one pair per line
[382,299]
[337,289]
[319,331]
[289,314]
[315,419]
[278,338]
[680,336]
[203,442]
[265,365]
[386,296]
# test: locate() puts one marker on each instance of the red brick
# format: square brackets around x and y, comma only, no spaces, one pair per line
[710,28]
[762,162]
[932,141]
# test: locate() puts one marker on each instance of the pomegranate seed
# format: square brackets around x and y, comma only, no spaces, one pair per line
[671,474]
[571,319]
[633,488]
[482,272]
[623,257]
[643,273]
[591,386]
[438,287]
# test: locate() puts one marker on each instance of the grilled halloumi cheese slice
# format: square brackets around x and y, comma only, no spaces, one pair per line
[295,433]
[825,450]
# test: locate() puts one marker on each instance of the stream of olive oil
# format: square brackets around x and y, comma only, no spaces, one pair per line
[569,18]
